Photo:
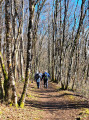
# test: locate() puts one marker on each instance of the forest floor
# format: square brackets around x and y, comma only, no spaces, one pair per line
[47,104]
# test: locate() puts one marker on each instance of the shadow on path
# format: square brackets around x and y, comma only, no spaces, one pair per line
[49,101]
[57,105]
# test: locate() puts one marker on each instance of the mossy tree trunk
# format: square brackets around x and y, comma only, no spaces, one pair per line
[29,54]
[5,76]
[11,88]
[1,84]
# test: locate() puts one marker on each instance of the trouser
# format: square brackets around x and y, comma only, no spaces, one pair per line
[38,85]
[45,83]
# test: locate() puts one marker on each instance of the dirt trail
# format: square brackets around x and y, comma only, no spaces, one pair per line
[47,104]
[57,105]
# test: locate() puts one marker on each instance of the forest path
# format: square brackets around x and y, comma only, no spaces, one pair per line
[56,104]
[47,104]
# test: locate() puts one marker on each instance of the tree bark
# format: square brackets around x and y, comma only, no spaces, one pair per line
[11,82]
[29,54]
[76,41]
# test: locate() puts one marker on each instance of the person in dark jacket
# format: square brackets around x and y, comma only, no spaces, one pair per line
[38,78]
[45,77]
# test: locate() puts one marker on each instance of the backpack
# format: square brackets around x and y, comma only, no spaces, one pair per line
[37,76]
[45,77]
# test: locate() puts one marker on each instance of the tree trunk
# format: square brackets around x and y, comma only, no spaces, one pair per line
[29,55]
[11,83]
[48,46]
[76,41]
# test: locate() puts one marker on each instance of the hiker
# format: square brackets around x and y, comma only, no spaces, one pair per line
[37,78]
[45,77]
[40,75]
[40,78]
